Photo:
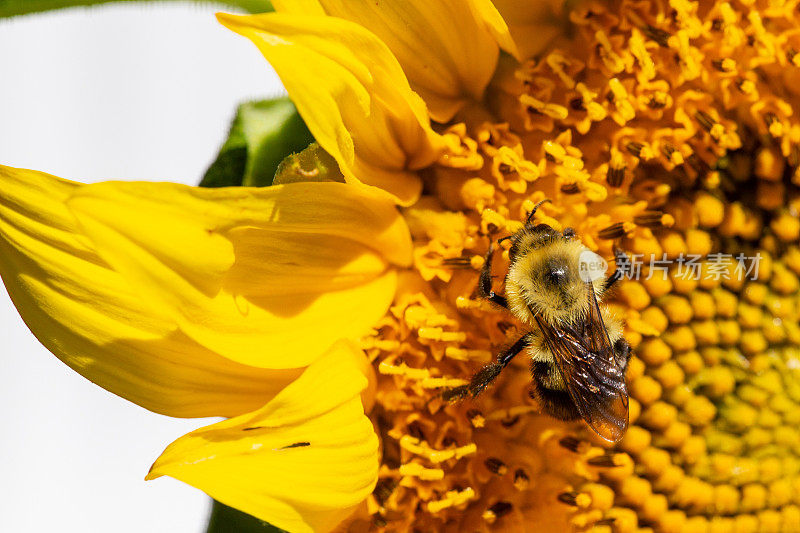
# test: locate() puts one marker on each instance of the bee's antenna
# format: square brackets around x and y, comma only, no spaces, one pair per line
[533,211]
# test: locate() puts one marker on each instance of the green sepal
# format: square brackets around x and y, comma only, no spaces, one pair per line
[311,164]
[262,134]
[226,519]
[13,8]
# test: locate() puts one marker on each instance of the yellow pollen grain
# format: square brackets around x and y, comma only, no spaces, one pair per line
[710,210]
[786,227]
[669,375]
[636,440]
[654,351]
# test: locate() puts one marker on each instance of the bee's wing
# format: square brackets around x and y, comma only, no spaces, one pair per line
[593,376]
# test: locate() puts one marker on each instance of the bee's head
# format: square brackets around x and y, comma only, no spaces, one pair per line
[544,275]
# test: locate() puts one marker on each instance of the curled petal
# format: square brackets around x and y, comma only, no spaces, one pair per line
[95,320]
[303,462]
[353,95]
[267,277]
[535,25]
[447,49]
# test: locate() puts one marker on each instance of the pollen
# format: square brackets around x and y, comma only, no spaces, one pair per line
[665,130]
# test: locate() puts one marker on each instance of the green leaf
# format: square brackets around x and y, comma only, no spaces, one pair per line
[12,8]
[226,519]
[262,134]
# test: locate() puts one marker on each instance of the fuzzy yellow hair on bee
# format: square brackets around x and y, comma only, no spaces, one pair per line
[544,280]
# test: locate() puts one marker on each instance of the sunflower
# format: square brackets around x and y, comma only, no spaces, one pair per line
[326,322]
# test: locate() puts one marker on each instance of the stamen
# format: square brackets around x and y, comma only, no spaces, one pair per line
[658,35]
[442,383]
[458,262]
[614,231]
[521,480]
[616,170]
[576,499]
[653,219]
[605,461]
[551,110]
[611,59]
[418,316]
[570,188]
[384,345]
[403,370]
[496,466]
[510,413]
[462,354]
[557,62]
[475,418]
[573,444]
[453,498]
[497,510]
[605,522]
[418,471]
[438,334]
[724,65]
[418,447]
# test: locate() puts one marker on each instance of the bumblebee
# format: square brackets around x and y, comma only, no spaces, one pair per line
[578,355]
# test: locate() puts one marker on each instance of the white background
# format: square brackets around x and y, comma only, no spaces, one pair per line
[116,92]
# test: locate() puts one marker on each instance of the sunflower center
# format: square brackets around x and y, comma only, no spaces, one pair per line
[667,134]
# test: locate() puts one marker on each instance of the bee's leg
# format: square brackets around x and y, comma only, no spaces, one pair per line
[622,351]
[484,377]
[485,281]
[568,233]
[622,266]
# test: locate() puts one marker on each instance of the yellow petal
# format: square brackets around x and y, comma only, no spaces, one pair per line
[268,277]
[96,322]
[447,49]
[353,95]
[535,25]
[302,463]
[486,11]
